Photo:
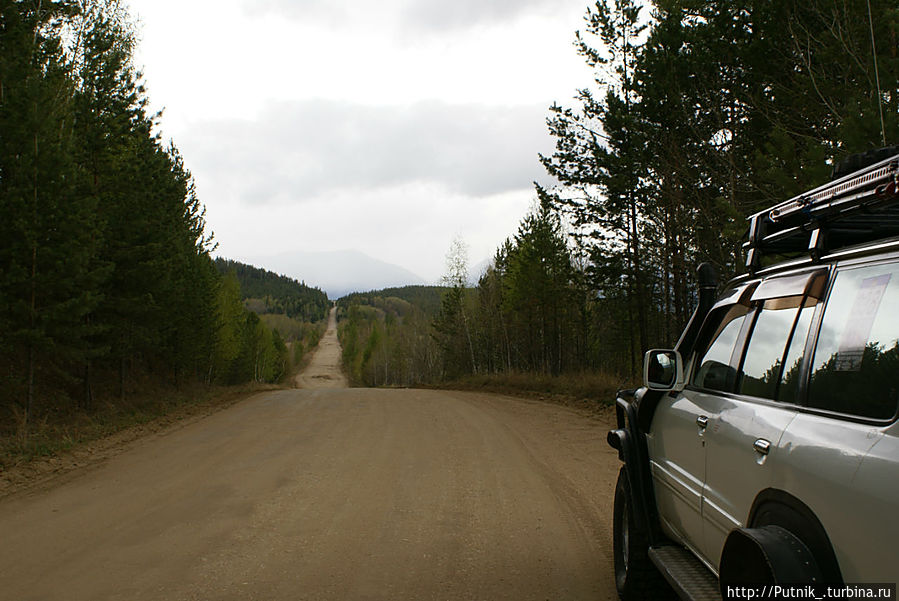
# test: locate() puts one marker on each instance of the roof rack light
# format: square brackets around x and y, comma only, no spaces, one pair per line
[885,175]
[801,218]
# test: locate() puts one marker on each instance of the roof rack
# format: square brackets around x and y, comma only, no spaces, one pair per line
[854,209]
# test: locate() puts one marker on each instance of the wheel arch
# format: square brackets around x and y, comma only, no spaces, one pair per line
[775,507]
[630,442]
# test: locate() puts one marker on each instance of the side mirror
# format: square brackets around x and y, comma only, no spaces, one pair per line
[663,370]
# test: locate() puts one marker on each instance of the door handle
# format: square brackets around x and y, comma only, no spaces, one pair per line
[761,446]
[702,421]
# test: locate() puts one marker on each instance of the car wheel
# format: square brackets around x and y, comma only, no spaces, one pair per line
[635,575]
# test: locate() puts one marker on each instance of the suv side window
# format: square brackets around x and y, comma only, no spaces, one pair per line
[717,370]
[789,381]
[761,372]
[855,369]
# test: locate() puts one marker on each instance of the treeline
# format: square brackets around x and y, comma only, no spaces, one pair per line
[424,298]
[385,336]
[244,347]
[269,292]
[704,112]
[104,266]
[532,312]
[294,314]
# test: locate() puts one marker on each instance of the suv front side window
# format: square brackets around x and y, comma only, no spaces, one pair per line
[717,370]
[856,363]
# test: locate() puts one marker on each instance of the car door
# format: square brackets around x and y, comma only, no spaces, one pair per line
[676,440]
[744,434]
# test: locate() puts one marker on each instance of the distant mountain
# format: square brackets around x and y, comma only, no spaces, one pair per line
[340,272]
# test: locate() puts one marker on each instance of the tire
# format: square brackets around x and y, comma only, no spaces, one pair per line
[854,162]
[636,577]
[802,523]
[766,556]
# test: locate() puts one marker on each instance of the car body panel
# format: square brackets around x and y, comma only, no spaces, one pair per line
[820,462]
[735,470]
[707,479]
[678,474]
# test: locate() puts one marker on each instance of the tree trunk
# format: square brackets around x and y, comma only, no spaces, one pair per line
[88,399]
[122,379]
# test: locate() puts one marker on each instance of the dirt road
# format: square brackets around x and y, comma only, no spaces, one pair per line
[330,493]
[323,370]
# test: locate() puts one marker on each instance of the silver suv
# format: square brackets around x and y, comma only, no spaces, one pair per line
[764,448]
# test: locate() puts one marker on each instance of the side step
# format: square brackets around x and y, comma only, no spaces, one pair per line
[690,579]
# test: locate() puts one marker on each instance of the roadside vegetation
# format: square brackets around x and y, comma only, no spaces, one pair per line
[284,320]
[524,328]
[111,308]
[386,336]
[701,114]
[258,351]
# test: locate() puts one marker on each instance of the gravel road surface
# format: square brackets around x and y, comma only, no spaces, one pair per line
[330,493]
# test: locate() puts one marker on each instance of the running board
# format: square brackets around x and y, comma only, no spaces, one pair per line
[690,579]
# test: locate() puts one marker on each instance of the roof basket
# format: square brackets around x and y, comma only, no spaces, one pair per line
[854,209]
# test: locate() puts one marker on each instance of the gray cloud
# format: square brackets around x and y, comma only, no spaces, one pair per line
[301,149]
[311,10]
[462,14]
[409,15]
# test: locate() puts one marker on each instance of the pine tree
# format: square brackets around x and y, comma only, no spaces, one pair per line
[49,274]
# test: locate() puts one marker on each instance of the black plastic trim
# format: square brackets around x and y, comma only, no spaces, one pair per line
[630,442]
[803,523]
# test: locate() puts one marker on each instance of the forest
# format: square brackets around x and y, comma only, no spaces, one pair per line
[294,313]
[266,292]
[106,279]
[385,336]
[701,113]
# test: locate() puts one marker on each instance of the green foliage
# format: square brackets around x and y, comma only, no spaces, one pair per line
[263,313]
[704,113]
[49,266]
[425,298]
[386,339]
[105,273]
[453,334]
[531,312]
[229,316]
[268,292]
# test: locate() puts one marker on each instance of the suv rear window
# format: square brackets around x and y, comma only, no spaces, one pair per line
[761,373]
[856,363]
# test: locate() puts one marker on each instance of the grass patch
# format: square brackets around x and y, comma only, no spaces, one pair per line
[587,389]
[56,431]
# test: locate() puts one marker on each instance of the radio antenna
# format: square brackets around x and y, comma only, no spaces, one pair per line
[883,131]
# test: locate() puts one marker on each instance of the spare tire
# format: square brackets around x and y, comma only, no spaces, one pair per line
[854,162]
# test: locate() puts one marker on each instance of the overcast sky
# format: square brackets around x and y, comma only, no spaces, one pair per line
[387,127]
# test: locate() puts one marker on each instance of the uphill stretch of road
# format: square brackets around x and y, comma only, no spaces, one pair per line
[330,493]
